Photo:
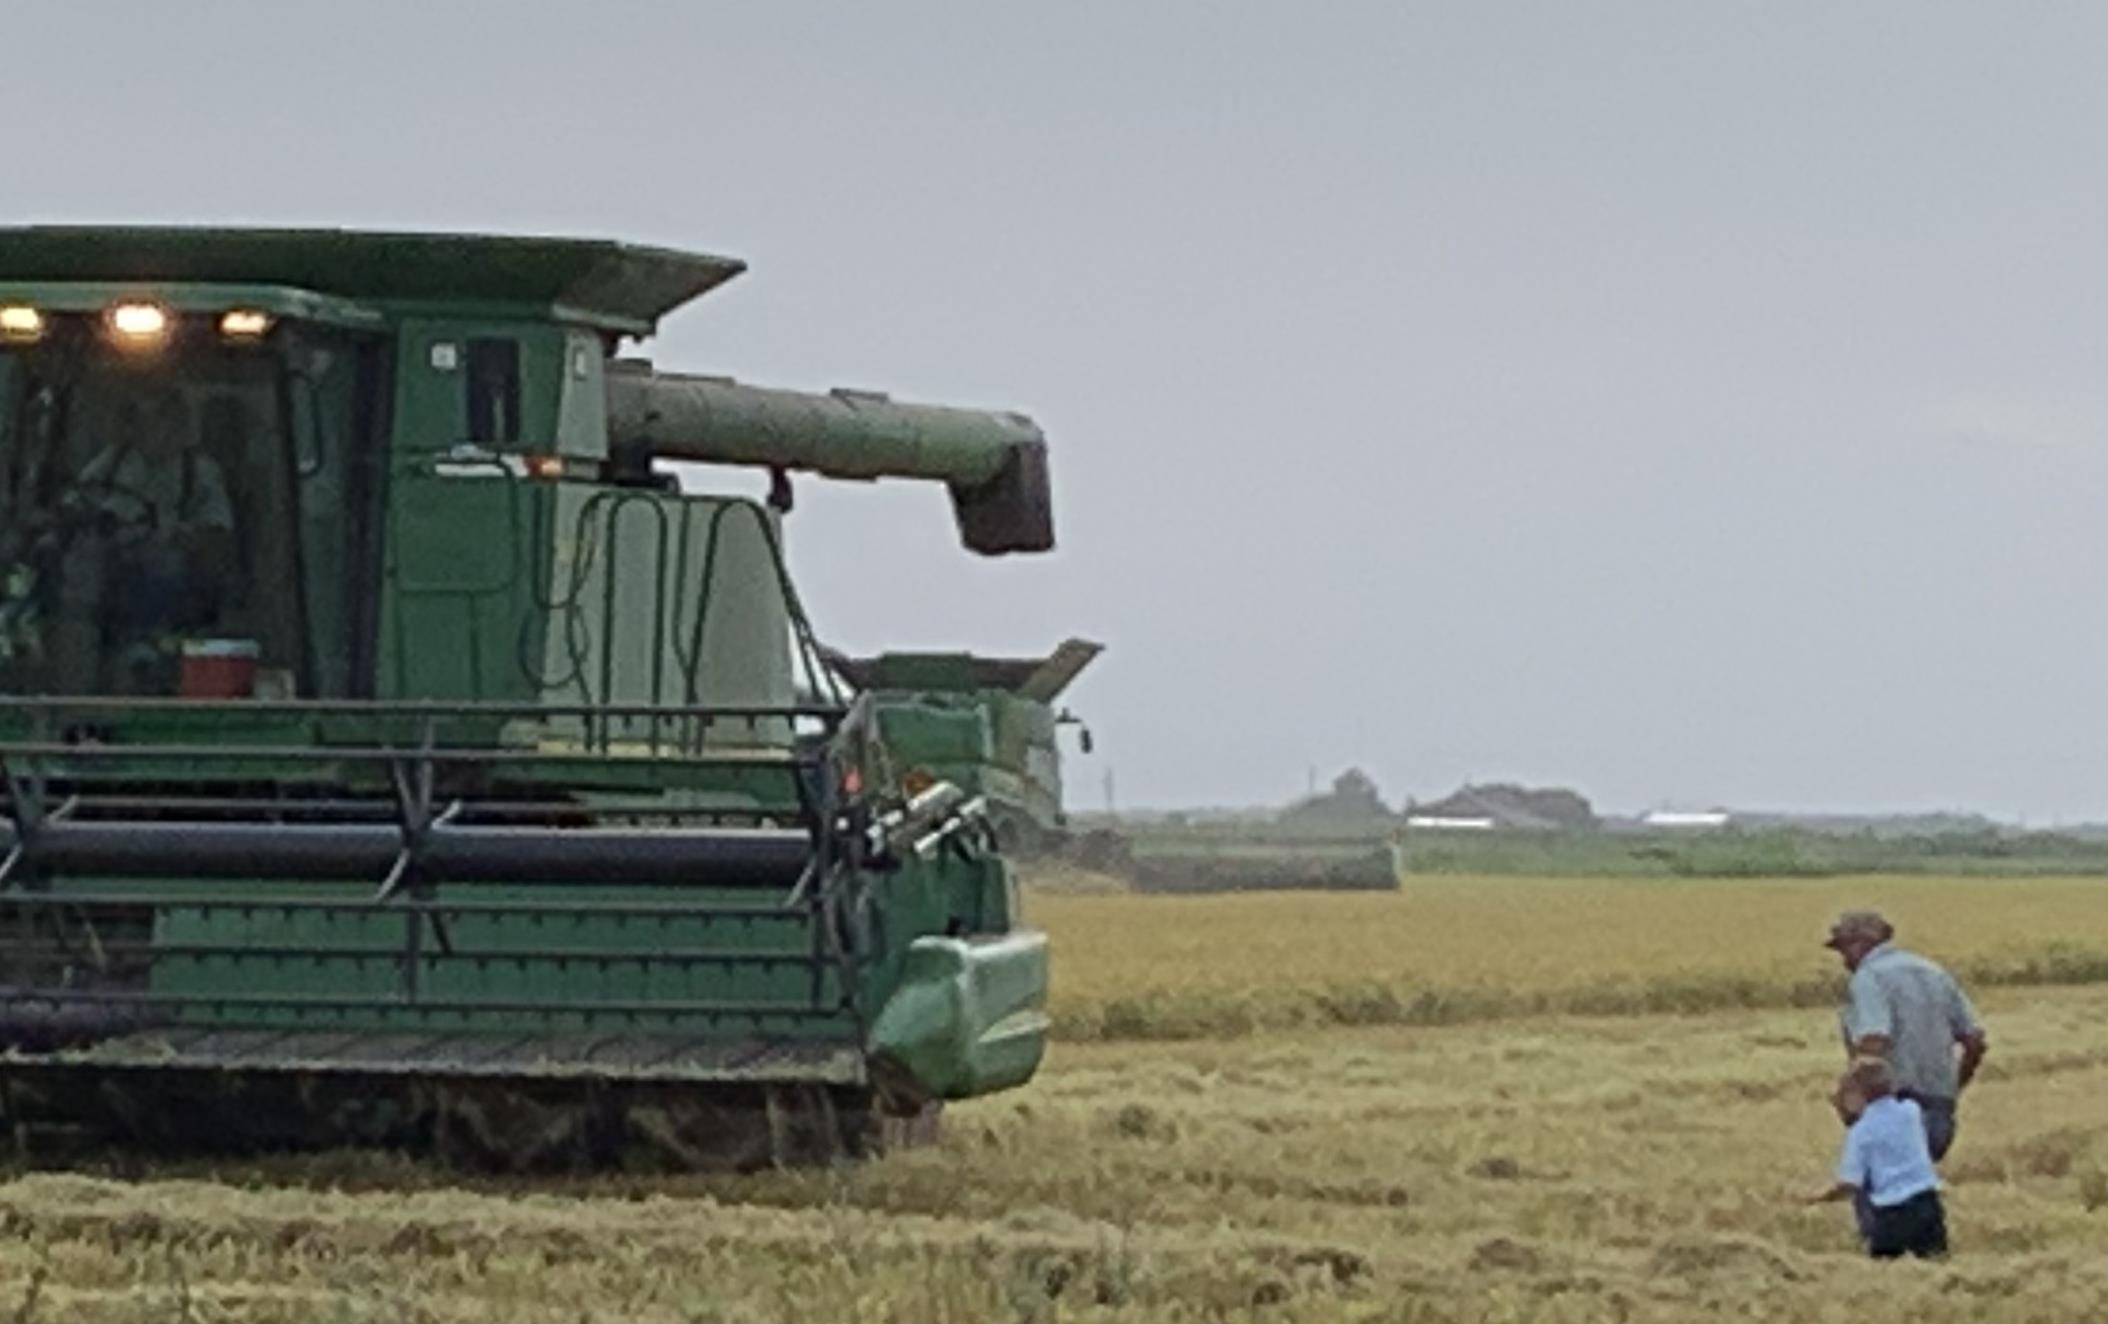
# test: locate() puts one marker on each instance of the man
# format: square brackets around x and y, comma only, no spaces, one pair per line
[155,484]
[158,544]
[1902,1007]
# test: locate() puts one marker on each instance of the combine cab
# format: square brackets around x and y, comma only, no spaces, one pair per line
[394,754]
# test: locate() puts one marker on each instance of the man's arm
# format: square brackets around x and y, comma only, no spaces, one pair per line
[208,520]
[210,506]
[1869,1025]
[1870,1045]
[1974,1046]
[1843,1190]
[1968,1032]
[101,468]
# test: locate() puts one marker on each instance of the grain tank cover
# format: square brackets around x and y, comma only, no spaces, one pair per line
[1040,679]
[618,287]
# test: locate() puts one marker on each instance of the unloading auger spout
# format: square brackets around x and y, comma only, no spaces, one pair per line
[995,464]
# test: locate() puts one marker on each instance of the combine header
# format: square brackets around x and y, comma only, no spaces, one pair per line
[394,754]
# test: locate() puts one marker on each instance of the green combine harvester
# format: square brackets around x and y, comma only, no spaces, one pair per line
[395,754]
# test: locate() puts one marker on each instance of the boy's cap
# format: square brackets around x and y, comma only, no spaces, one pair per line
[1859,925]
[1871,1077]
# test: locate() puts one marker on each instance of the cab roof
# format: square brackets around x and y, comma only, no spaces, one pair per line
[623,287]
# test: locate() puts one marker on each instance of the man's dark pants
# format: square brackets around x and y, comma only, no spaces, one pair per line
[1938,1116]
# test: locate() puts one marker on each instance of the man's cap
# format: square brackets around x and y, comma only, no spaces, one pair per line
[1859,926]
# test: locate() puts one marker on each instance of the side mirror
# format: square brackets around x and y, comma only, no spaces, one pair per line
[1084,743]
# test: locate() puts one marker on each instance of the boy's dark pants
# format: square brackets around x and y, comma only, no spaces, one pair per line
[1917,1227]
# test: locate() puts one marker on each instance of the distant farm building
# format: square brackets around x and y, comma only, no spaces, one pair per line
[1353,801]
[1501,805]
[1685,819]
[1449,823]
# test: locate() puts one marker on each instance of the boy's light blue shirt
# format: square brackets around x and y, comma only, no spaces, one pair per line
[1885,1154]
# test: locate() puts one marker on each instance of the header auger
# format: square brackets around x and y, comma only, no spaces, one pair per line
[395,754]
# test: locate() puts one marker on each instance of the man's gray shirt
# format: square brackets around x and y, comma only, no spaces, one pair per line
[1919,1009]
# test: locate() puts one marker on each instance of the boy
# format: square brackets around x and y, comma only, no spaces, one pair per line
[1886,1166]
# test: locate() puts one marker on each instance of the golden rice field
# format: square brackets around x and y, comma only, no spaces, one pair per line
[1531,1166]
[1450,948]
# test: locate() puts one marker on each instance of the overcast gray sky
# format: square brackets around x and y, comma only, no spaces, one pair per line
[1685,402]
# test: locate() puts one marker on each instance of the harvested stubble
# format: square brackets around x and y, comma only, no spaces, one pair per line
[1635,1168]
[1631,1168]
[1448,950]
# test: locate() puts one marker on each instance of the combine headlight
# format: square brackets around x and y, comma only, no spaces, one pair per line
[245,324]
[20,322]
[140,324]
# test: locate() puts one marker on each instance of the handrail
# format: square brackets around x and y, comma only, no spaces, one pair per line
[438,906]
[417,707]
[382,754]
[555,734]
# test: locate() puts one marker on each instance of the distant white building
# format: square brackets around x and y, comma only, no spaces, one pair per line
[1448,823]
[1684,818]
